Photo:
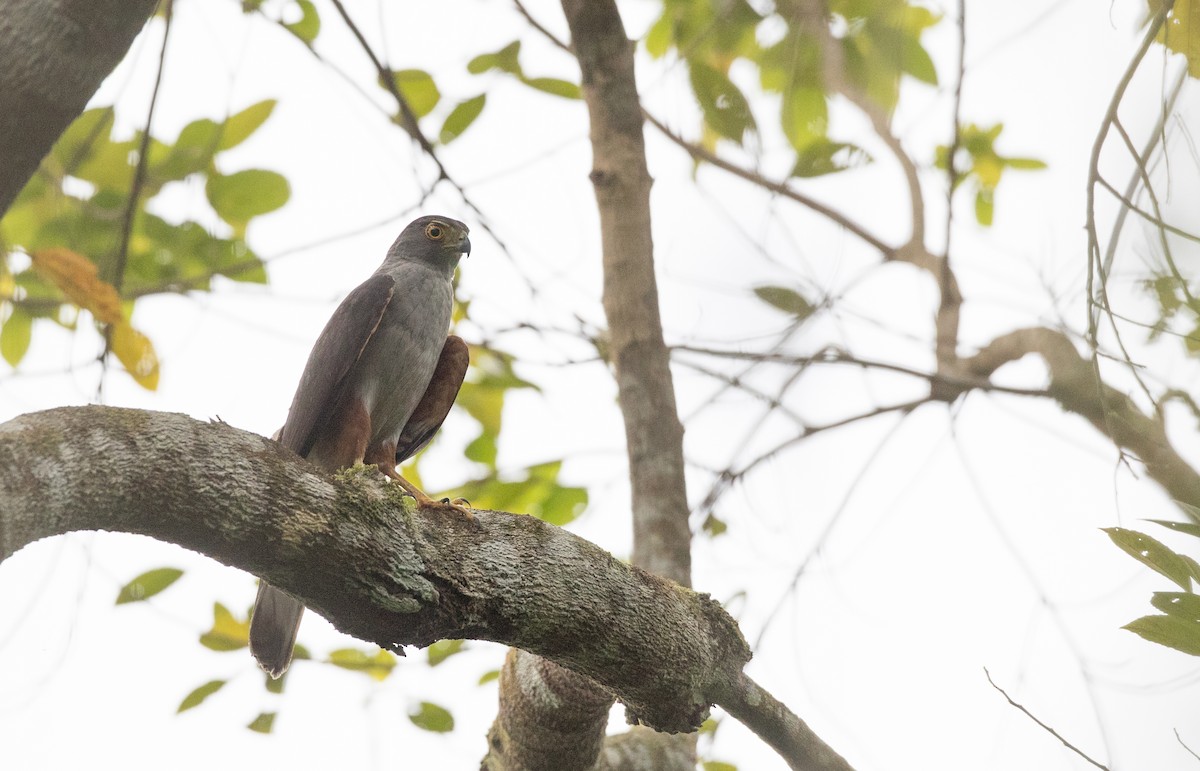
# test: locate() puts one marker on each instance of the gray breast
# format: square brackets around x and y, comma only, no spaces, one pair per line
[394,370]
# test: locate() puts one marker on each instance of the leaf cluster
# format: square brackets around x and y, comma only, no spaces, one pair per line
[1178,625]
[873,43]
[86,222]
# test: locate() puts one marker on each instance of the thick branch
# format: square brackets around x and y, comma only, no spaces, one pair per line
[354,551]
[53,56]
[1076,387]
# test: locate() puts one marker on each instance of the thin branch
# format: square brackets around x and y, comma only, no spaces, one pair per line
[410,123]
[1152,219]
[557,41]
[1141,159]
[143,161]
[780,728]
[728,477]
[1099,295]
[1047,728]
[956,129]
[1183,744]
[779,188]
[1020,559]
[966,381]
[826,533]
[135,192]
[950,298]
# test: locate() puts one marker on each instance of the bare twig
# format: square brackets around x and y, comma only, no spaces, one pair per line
[1191,751]
[963,382]
[1052,732]
[557,41]
[1099,295]
[143,160]
[132,205]
[410,124]
[779,188]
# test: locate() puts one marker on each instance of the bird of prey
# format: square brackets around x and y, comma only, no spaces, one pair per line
[376,388]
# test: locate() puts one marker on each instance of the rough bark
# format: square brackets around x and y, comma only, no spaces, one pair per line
[53,56]
[352,548]
[621,180]
[645,391]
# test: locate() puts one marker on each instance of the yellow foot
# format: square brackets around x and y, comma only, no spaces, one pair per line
[457,506]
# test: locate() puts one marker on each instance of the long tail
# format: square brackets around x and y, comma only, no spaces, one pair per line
[273,628]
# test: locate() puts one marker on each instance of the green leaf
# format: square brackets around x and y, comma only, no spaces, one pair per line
[984,207]
[197,696]
[227,633]
[717,765]
[660,35]
[824,156]
[562,505]
[504,60]
[1190,528]
[239,126]
[192,152]
[148,584]
[1153,554]
[915,60]
[431,717]
[263,723]
[714,526]
[804,116]
[418,89]
[275,685]
[239,197]
[725,108]
[442,650]
[91,127]
[377,666]
[787,300]
[15,336]
[1171,631]
[308,26]
[461,117]
[709,726]
[555,86]
[1183,605]
[489,676]
[539,494]
[1025,164]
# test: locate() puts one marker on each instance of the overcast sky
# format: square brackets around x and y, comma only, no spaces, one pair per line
[933,547]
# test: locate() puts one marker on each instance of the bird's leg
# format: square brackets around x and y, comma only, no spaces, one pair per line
[388,468]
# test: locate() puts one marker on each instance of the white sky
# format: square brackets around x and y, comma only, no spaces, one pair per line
[970,541]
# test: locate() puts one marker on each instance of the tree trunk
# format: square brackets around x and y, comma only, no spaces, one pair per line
[53,56]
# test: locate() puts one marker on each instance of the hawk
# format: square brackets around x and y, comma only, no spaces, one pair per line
[377,386]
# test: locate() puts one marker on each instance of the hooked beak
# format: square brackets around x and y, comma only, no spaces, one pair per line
[464,246]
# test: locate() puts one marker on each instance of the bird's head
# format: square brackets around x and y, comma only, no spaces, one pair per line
[435,240]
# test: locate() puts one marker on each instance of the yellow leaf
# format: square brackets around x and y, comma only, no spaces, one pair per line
[1181,33]
[80,281]
[227,633]
[136,352]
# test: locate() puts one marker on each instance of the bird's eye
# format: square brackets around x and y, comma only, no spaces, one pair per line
[435,231]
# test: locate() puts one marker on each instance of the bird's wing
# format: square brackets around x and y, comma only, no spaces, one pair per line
[439,397]
[336,350]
